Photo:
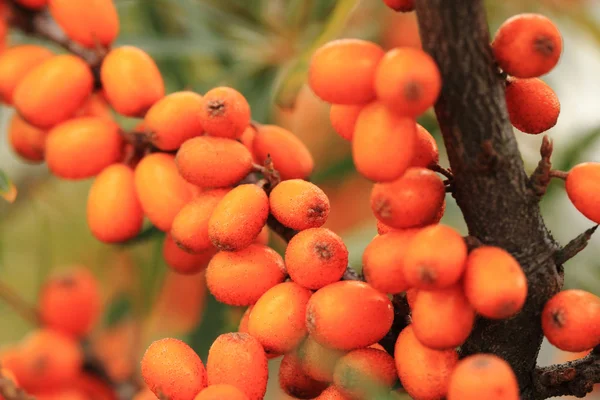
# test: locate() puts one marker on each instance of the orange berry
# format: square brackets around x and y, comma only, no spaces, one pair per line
[299,204]
[95,106]
[92,387]
[263,236]
[426,149]
[318,361]
[277,319]
[343,119]
[290,156]
[411,297]
[383,144]
[382,228]
[483,376]
[82,147]
[332,393]
[238,218]
[15,64]
[533,107]
[583,188]
[173,370]
[408,81]
[131,81]
[383,261]
[224,112]
[240,278]
[365,313]
[65,79]
[248,136]
[571,320]
[400,5]
[424,372]
[494,283]
[221,392]
[364,372]
[413,200]
[342,71]
[183,262]
[62,394]
[316,257]
[213,162]
[92,24]
[295,382]
[527,45]
[34,4]
[26,140]
[243,326]
[239,360]
[174,119]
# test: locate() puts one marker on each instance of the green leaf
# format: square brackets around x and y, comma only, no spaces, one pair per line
[8,189]
[118,310]
[335,172]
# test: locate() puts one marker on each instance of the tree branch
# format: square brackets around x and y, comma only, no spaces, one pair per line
[572,248]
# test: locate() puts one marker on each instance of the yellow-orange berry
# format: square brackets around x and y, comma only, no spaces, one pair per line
[364,372]
[26,140]
[131,81]
[173,370]
[65,79]
[248,136]
[411,296]
[532,105]
[483,376]
[494,282]
[174,119]
[34,4]
[183,262]
[238,359]
[61,394]
[221,392]
[239,217]
[95,106]
[426,149]
[400,5]
[243,326]
[224,112]
[527,45]
[263,236]
[299,204]
[332,393]
[413,200]
[571,320]
[15,64]
[583,189]
[343,119]
[81,148]
[408,81]
[295,382]
[383,144]
[213,161]
[318,361]
[365,313]
[342,71]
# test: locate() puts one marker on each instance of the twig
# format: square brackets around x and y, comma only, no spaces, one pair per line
[540,178]
[23,308]
[559,174]
[9,391]
[572,248]
[441,170]
[269,172]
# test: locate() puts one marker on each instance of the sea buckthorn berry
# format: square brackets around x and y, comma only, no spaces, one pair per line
[442,319]
[82,147]
[383,144]
[221,392]
[240,278]
[289,155]
[34,4]
[299,204]
[532,105]
[571,320]
[342,71]
[295,382]
[527,45]
[173,370]
[61,394]
[70,302]
[95,106]
[411,297]
[316,257]
[213,162]
[248,136]
[278,317]
[424,372]
[224,112]
[114,212]
[131,81]
[93,387]
[365,313]
[238,359]
[263,236]
[243,326]
[183,262]
[15,64]
[332,393]
[26,140]
[483,376]
[408,81]
[442,268]
[413,200]
[426,149]
[583,189]
[65,79]
[400,5]
[92,24]
[318,361]
[494,283]
[383,261]
[343,119]
[161,190]
[364,372]
[174,119]
[238,218]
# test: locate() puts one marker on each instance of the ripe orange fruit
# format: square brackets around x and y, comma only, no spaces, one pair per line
[332,393]
[220,392]
[343,119]
[295,382]
[299,204]
[183,262]
[362,373]
[583,186]
[95,106]
[426,149]
[15,64]
[400,5]
[318,361]
[483,376]
[533,107]
[26,140]
[224,112]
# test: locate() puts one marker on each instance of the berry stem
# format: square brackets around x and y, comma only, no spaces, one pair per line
[23,308]
[441,170]
[559,174]
[573,248]
[540,179]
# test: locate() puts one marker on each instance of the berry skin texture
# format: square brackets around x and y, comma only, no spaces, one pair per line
[413,200]
[173,370]
[318,361]
[527,45]
[295,382]
[131,81]
[238,218]
[571,320]
[343,119]
[583,189]
[408,81]
[220,392]
[429,270]
[65,79]
[366,314]
[483,376]
[299,204]
[400,5]
[383,144]
[423,372]
[213,162]
[224,112]
[426,149]
[332,393]
[316,257]
[15,64]
[183,262]
[239,360]
[81,148]
[26,140]
[174,119]
[95,106]
[494,283]
[533,107]
[363,372]
[342,71]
